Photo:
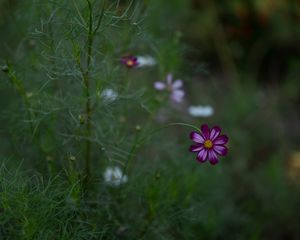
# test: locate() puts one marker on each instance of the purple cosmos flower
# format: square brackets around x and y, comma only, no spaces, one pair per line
[174,88]
[129,61]
[209,144]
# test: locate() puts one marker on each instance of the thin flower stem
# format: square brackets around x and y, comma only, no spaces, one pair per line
[17,83]
[127,87]
[139,142]
[100,18]
[86,79]
[78,12]
[131,154]
[166,126]
[128,81]
[183,124]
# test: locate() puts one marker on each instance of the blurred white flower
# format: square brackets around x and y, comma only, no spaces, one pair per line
[113,176]
[109,95]
[145,61]
[201,111]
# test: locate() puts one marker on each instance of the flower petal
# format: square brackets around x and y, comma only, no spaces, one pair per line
[212,157]
[215,132]
[109,95]
[177,96]
[177,84]
[205,131]
[220,140]
[201,111]
[214,162]
[145,61]
[196,147]
[159,85]
[169,79]
[202,155]
[129,61]
[220,149]
[196,137]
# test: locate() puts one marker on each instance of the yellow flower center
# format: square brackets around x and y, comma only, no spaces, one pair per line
[208,144]
[130,63]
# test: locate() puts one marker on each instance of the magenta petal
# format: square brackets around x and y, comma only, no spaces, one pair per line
[196,137]
[212,156]
[205,131]
[196,147]
[220,149]
[220,140]
[214,162]
[215,132]
[209,153]
[202,155]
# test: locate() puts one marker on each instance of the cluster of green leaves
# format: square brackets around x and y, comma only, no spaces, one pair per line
[70,57]
[161,201]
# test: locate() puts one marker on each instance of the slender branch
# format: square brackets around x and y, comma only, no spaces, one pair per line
[90,36]
[139,142]
[78,12]
[17,83]
[100,19]
[86,79]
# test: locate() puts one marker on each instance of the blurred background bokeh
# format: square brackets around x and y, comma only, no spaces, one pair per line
[241,57]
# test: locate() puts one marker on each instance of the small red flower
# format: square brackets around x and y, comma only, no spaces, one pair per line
[129,61]
[209,144]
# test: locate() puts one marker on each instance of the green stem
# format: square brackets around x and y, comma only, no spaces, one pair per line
[138,143]
[166,126]
[86,79]
[17,83]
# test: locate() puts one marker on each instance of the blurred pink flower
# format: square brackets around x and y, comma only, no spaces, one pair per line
[174,87]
